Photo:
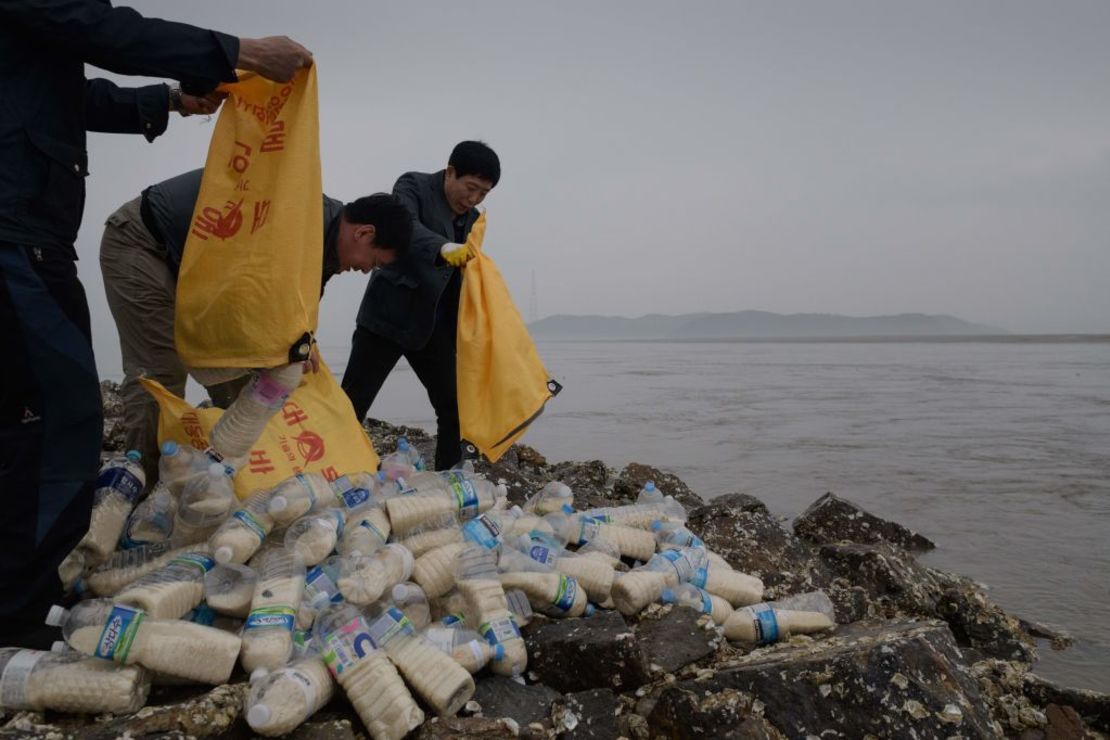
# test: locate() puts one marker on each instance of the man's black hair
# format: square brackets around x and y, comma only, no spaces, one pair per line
[391,219]
[475,158]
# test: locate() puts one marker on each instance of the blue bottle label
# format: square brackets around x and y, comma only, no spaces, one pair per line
[250,523]
[483,531]
[121,480]
[278,617]
[390,624]
[590,529]
[350,496]
[542,554]
[499,630]
[377,532]
[683,568]
[466,496]
[766,624]
[201,563]
[119,633]
[566,593]
[346,645]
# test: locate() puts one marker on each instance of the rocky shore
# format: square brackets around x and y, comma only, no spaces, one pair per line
[918,653]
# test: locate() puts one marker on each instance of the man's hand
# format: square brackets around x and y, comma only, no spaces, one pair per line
[276,58]
[206,105]
[456,255]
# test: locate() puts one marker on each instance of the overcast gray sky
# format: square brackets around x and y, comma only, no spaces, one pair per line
[849,157]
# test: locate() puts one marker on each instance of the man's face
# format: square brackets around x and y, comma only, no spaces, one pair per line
[464,193]
[361,253]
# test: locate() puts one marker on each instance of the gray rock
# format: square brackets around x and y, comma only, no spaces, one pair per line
[580,654]
[588,714]
[901,679]
[675,637]
[503,697]
[831,519]
[465,728]
[1092,706]
[628,484]
[896,585]
[213,714]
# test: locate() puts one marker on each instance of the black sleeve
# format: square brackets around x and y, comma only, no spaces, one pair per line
[425,243]
[126,110]
[120,40]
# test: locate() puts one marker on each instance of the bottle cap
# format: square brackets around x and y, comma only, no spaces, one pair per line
[399,591]
[223,553]
[568,509]
[656,525]
[649,486]
[58,646]
[667,597]
[259,714]
[402,443]
[319,600]
[216,470]
[134,455]
[169,447]
[57,615]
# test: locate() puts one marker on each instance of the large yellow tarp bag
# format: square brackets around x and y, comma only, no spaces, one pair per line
[248,293]
[501,381]
[316,431]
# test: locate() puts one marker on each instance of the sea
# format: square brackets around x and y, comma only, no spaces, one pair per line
[996,449]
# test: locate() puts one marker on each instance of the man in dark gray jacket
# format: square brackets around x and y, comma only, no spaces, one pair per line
[50,414]
[140,255]
[411,308]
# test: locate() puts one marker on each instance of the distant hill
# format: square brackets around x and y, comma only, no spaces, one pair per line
[754,325]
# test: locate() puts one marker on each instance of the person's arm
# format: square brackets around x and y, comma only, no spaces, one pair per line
[120,40]
[425,242]
[126,110]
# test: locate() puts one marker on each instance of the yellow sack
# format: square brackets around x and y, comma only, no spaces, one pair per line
[502,384]
[316,431]
[248,292]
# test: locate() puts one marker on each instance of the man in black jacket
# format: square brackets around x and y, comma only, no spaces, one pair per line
[411,307]
[140,255]
[50,416]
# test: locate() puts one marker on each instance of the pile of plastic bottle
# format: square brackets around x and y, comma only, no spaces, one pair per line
[395,586]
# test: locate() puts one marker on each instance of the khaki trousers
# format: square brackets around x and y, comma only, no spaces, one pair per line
[141,291]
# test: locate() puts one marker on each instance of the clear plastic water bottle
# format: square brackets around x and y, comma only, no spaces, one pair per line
[413,454]
[670,535]
[649,494]
[205,503]
[118,486]
[771,621]
[554,496]
[152,519]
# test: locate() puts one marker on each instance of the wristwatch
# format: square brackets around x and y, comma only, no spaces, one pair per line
[175,101]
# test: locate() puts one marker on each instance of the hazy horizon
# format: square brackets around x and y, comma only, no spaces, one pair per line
[857,158]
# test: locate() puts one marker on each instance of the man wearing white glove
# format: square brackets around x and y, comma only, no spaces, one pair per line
[411,307]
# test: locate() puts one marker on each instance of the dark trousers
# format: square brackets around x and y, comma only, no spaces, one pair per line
[372,359]
[50,432]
